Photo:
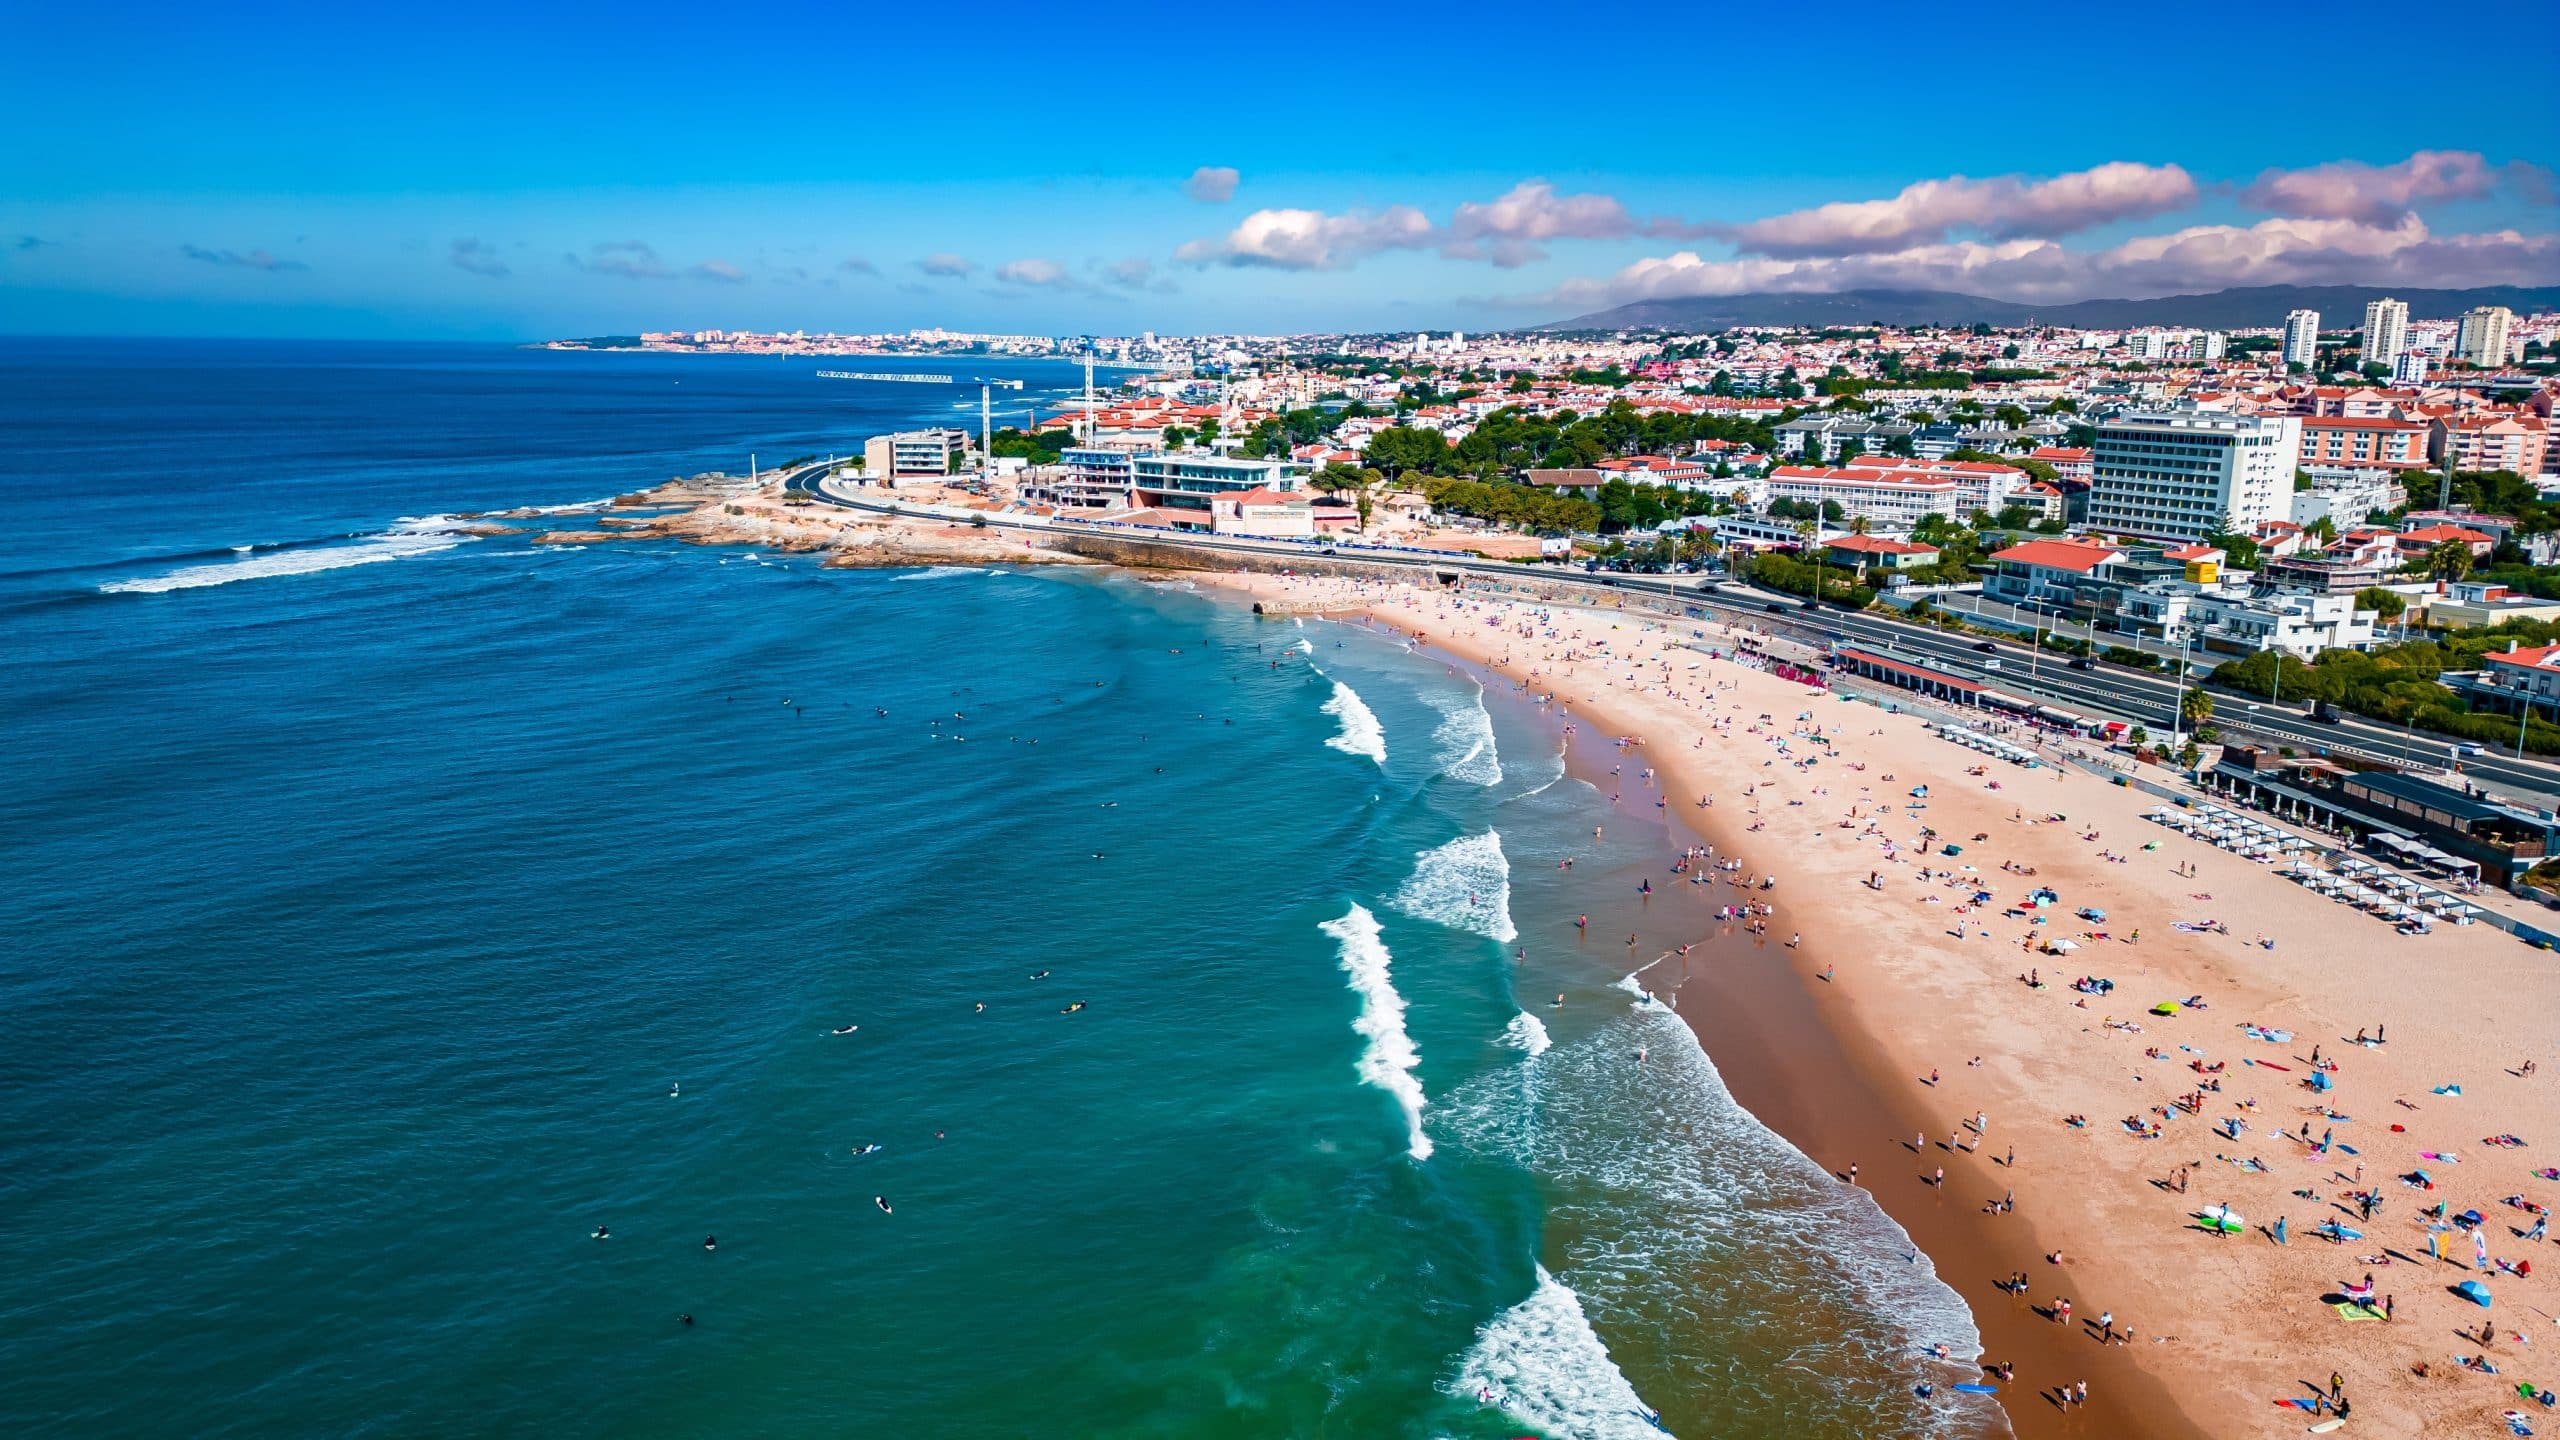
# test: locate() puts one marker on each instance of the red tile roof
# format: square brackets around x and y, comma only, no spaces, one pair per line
[2080,556]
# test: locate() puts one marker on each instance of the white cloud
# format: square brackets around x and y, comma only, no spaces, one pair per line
[1047,274]
[1507,229]
[1312,239]
[946,264]
[2006,207]
[1212,184]
[720,270]
[2375,194]
[1135,273]
[2284,251]
[856,265]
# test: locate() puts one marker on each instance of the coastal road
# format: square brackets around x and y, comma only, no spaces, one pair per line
[2107,690]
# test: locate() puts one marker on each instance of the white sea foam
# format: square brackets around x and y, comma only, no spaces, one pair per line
[1665,1173]
[423,535]
[1527,1032]
[940,572]
[1361,733]
[1546,1367]
[1465,885]
[1389,1061]
[1465,737]
[1305,646]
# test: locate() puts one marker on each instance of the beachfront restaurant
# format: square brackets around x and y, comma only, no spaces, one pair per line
[2413,820]
[1936,684]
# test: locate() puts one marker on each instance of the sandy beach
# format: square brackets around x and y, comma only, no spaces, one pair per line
[1892,1027]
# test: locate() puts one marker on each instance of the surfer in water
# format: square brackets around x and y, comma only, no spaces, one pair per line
[883,1202]
[602,1233]
[866,1149]
[1070,1010]
[710,1242]
[845,1029]
[1043,975]
[982,1008]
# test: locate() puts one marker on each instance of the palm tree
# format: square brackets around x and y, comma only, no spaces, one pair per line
[2195,707]
[1859,525]
[2449,560]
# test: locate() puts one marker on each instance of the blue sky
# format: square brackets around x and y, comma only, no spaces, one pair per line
[529,170]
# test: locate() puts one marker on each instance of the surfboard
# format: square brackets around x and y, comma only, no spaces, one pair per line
[2325,1426]
[1971,1389]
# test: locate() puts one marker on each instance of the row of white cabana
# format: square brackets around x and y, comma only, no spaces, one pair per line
[2348,879]
[1991,745]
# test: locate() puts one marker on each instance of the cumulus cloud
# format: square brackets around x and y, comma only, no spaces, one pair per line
[2002,208]
[946,264]
[1509,228]
[243,259]
[2376,194]
[720,270]
[856,265]
[2283,251]
[1045,274]
[1212,184]
[477,256]
[1312,239]
[1135,273]
[630,259]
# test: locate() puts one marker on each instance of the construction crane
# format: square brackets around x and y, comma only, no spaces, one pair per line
[987,386]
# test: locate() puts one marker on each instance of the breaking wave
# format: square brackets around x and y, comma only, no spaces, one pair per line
[1361,733]
[1528,1034]
[1465,737]
[1465,885]
[1388,1062]
[422,536]
[1544,1365]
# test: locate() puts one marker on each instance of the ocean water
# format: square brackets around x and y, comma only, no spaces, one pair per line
[388,909]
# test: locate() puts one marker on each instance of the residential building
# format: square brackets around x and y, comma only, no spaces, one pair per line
[2343,440]
[2519,676]
[2302,338]
[1263,514]
[2323,574]
[2344,495]
[1879,552]
[1893,498]
[2386,331]
[2483,338]
[2046,572]
[2412,368]
[2069,463]
[2189,473]
[2478,604]
[1094,478]
[1189,480]
[2280,620]
[2513,443]
[913,455]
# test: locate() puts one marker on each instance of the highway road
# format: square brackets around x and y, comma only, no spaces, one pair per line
[2105,691]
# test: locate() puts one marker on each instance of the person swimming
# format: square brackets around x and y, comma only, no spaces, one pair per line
[982,1007]
[710,1242]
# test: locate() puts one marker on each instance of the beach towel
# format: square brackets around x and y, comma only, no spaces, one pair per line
[2352,1312]
[2446,1090]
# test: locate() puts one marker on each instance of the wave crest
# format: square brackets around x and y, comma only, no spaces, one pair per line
[1389,1061]
[1465,885]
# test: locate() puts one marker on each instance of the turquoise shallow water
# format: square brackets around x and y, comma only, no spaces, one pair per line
[385,920]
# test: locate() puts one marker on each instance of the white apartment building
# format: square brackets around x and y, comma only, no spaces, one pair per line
[2301,337]
[1894,500]
[913,455]
[2189,473]
[2483,340]
[2386,331]
[2345,494]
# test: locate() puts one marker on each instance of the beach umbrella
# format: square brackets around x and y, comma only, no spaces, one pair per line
[2473,1291]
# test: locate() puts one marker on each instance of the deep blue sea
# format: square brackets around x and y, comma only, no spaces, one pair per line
[386,914]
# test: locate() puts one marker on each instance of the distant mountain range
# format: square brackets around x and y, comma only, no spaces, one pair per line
[2341,307]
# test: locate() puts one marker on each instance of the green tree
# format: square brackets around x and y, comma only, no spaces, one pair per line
[2195,707]
[2449,560]
[2388,604]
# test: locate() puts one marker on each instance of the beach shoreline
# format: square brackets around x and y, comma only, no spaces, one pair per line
[1840,1066]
